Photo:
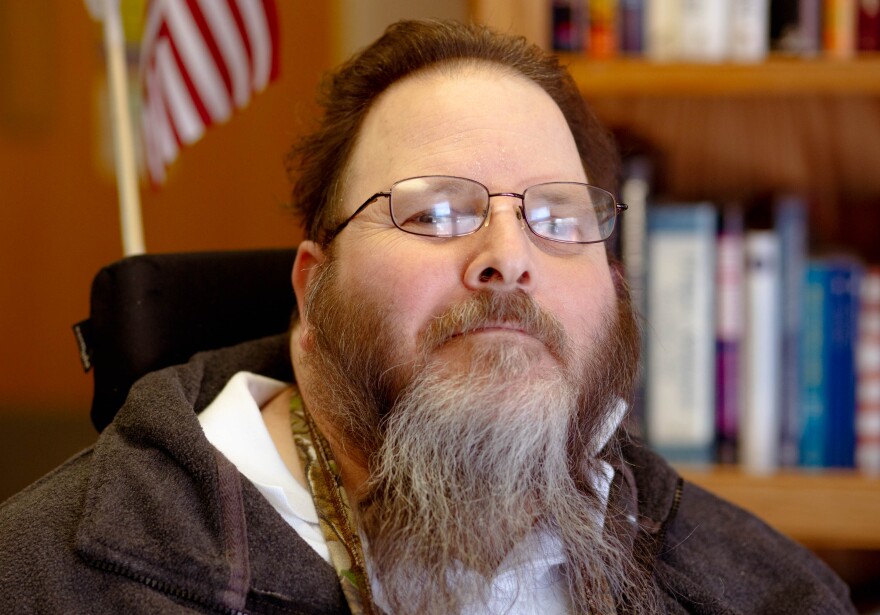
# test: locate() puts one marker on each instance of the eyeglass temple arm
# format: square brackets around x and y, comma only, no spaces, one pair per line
[332,235]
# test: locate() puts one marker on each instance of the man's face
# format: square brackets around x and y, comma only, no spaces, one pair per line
[517,403]
[508,134]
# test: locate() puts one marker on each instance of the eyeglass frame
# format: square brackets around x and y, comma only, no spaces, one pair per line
[618,209]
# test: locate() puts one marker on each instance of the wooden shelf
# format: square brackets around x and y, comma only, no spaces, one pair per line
[778,76]
[827,509]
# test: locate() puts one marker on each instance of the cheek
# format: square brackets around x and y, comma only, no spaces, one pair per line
[412,295]
[410,284]
[584,300]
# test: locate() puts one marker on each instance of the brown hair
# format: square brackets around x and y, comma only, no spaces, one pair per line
[318,163]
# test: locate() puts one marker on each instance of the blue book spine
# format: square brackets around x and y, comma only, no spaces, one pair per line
[841,329]
[813,398]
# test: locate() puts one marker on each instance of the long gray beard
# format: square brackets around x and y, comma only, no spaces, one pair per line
[468,460]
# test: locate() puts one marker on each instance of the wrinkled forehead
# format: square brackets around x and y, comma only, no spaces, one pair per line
[472,119]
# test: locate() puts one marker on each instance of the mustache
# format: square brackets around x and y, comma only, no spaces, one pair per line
[492,308]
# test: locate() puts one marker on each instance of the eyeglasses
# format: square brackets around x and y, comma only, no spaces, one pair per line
[444,206]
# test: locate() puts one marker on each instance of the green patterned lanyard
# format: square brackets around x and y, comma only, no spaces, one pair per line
[334,511]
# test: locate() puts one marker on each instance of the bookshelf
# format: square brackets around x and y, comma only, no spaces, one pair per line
[831,509]
[807,125]
[728,131]
[778,76]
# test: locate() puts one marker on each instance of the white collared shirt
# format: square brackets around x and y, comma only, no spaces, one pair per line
[234,425]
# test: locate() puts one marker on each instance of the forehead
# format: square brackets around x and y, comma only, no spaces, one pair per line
[475,121]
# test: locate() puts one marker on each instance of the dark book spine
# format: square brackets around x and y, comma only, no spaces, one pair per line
[632,17]
[868,25]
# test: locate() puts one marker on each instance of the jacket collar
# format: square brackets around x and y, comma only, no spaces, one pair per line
[163,507]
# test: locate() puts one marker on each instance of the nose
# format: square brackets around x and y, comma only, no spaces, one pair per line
[503,258]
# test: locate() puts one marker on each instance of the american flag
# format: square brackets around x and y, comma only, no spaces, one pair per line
[200,60]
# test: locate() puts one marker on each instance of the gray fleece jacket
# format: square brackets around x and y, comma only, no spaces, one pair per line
[153,519]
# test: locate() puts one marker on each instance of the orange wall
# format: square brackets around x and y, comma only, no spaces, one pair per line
[58,210]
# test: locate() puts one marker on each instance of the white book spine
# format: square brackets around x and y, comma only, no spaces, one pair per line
[662,29]
[704,30]
[749,33]
[762,354]
[680,388]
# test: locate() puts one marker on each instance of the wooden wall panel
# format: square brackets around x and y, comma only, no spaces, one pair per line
[58,209]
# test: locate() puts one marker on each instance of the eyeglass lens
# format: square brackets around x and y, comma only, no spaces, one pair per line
[440,206]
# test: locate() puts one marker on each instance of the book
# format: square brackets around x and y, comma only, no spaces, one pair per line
[569,24]
[810,27]
[749,33]
[868,374]
[841,326]
[662,31]
[635,190]
[868,25]
[839,28]
[785,26]
[680,331]
[813,382]
[636,187]
[762,353]
[632,19]
[830,325]
[704,30]
[729,281]
[603,38]
[790,223]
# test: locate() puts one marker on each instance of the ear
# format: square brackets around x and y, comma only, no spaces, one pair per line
[308,256]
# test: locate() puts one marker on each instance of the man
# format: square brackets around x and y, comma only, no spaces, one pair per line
[462,359]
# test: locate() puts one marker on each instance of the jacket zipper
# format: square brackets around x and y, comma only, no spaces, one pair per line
[670,517]
[165,588]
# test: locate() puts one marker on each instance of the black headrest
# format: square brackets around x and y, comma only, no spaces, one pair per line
[157,310]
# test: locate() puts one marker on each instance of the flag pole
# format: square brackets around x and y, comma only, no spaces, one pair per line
[123,138]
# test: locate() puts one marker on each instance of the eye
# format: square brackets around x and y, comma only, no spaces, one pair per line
[558,228]
[569,212]
[434,214]
[443,219]
[429,217]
